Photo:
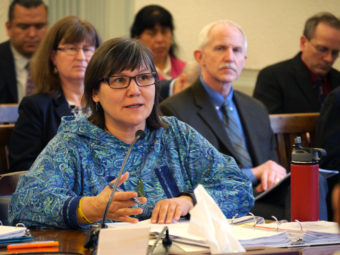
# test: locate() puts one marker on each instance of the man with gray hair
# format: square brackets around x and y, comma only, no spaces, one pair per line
[301,84]
[233,122]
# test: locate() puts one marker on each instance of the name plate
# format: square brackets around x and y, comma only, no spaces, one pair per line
[131,239]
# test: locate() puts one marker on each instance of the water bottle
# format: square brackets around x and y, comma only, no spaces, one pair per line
[305,182]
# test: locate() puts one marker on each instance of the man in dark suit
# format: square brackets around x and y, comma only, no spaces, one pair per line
[222,55]
[300,84]
[26,25]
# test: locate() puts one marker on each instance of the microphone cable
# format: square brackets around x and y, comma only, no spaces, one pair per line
[91,240]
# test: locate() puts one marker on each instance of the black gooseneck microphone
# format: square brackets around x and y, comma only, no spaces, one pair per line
[92,238]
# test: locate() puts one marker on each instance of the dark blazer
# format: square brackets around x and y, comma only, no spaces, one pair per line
[193,106]
[327,133]
[8,79]
[287,87]
[38,122]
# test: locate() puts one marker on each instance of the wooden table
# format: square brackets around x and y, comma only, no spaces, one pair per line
[72,241]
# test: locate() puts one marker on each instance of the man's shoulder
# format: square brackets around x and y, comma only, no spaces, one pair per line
[251,103]
[4,44]
[5,47]
[281,66]
[336,73]
[7,58]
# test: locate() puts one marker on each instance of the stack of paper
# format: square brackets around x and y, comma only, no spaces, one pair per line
[248,236]
[307,233]
[7,232]
[270,235]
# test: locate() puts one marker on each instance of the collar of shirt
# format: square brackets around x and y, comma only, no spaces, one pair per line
[217,99]
[21,72]
[20,60]
[314,76]
[166,73]
[325,82]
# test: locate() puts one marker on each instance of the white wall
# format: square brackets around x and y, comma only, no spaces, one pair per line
[3,18]
[273,27]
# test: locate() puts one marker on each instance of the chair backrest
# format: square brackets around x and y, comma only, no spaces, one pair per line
[5,135]
[8,113]
[286,127]
[8,184]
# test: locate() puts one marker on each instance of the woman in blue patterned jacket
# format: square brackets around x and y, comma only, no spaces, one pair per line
[67,186]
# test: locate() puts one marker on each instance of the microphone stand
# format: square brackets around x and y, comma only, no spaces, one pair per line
[91,240]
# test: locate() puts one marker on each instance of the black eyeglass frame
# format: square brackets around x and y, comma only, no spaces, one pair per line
[107,80]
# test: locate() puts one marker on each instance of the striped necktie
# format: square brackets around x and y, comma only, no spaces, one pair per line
[234,134]
[29,82]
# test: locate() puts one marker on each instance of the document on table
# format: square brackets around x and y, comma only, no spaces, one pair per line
[270,235]
[307,233]
[191,243]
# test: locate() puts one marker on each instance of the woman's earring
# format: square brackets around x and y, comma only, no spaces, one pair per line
[55,70]
[97,106]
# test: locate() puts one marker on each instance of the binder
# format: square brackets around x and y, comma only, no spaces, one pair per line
[14,234]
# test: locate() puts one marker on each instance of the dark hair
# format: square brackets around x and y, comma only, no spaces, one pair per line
[322,17]
[70,29]
[150,16]
[112,57]
[26,4]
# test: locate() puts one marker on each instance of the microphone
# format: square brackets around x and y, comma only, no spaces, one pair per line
[92,238]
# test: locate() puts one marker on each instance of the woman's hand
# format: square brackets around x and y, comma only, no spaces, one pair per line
[119,210]
[171,209]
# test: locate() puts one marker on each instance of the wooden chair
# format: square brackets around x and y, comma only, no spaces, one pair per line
[8,113]
[286,127]
[8,117]
[8,184]
[5,135]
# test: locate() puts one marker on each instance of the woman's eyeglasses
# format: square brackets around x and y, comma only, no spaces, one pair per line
[72,51]
[123,81]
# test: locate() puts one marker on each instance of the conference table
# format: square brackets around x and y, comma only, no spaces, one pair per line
[72,242]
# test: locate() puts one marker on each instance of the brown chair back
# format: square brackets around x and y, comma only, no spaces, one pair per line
[8,184]
[5,135]
[286,127]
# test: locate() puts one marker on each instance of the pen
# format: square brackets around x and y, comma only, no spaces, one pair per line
[120,190]
[37,244]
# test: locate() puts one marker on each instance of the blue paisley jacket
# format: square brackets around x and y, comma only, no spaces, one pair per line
[82,158]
